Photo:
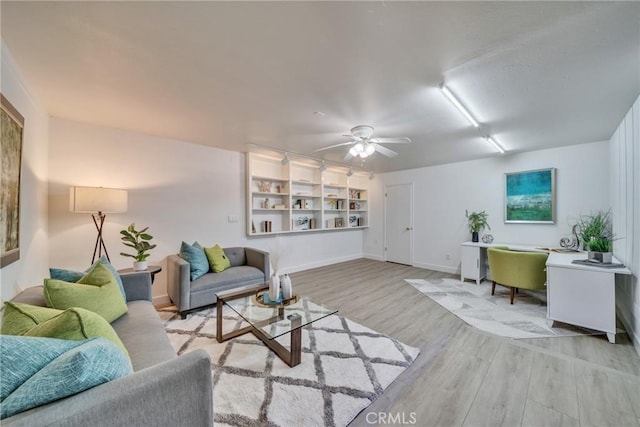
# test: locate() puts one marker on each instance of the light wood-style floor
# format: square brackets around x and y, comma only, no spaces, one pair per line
[466,377]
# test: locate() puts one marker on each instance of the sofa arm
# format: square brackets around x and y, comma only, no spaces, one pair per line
[137,285]
[173,393]
[259,259]
[179,282]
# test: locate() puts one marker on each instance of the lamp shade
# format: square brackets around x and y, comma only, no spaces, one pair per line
[97,199]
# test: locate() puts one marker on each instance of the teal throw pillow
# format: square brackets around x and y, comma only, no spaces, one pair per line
[93,362]
[75,276]
[195,256]
[22,357]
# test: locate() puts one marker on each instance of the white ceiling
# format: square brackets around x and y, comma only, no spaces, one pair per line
[226,74]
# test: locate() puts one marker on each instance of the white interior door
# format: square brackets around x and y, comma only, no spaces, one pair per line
[399,223]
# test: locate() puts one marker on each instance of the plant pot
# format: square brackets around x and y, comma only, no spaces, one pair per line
[602,257]
[140,265]
[474,236]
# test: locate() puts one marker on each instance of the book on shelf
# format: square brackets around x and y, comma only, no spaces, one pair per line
[331,223]
[266,226]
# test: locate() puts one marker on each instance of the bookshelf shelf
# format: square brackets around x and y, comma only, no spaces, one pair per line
[299,198]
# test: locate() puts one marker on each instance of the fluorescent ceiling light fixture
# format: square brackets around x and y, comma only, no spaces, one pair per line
[323,167]
[458,104]
[495,144]
[285,160]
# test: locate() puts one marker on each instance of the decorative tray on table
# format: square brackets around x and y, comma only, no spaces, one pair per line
[262,299]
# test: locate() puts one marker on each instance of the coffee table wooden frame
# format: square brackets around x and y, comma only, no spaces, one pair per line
[291,357]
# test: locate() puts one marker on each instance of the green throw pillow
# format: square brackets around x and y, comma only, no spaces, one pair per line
[71,324]
[74,276]
[18,318]
[92,363]
[217,258]
[97,291]
[194,255]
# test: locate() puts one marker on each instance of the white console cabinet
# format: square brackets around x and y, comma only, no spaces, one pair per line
[473,263]
[582,295]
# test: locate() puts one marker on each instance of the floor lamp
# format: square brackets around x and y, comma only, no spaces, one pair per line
[97,201]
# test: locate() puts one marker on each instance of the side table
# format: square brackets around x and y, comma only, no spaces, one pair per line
[152,269]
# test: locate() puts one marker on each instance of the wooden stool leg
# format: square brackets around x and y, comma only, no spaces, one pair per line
[493,288]
[512,294]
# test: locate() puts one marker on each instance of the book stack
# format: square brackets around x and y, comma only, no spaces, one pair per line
[266,226]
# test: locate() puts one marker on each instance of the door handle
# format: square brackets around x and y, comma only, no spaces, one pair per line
[409,228]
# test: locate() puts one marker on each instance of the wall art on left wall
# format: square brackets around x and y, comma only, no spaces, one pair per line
[11,130]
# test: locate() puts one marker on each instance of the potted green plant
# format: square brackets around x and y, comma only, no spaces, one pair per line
[595,233]
[139,240]
[476,222]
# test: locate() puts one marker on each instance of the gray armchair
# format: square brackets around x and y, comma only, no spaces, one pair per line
[248,267]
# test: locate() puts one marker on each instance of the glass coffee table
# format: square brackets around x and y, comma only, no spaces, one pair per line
[268,322]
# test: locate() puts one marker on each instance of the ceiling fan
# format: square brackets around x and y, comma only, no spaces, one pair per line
[364,145]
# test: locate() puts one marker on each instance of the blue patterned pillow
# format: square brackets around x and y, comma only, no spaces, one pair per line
[194,255]
[90,363]
[74,276]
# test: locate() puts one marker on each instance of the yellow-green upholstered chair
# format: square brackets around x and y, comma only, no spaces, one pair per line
[525,270]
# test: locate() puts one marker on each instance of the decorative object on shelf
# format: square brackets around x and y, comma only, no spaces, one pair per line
[596,235]
[339,222]
[487,238]
[265,204]
[476,221]
[264,186]
[140,241]
[274,287]
[287,290]
[11,150]
[530,196]
[97,201]
[278,189]
[353,219]
[300,221]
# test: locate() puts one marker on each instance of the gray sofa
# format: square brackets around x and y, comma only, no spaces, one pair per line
[248,267]
[164,390]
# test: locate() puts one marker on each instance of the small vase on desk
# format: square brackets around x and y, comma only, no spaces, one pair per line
[274,288]
[287,291]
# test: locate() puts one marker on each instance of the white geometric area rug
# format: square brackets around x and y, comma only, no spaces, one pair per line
[345,367]
[474,304]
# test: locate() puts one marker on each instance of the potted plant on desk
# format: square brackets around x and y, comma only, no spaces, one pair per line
[476,222]
[138,240]
[596,236]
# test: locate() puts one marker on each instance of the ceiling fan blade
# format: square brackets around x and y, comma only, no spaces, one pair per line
[336,145]
[384,150]
[396,140]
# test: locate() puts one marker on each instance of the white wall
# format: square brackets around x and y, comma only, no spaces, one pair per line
[182,191]
[442,193]
[625,194]
[34,251]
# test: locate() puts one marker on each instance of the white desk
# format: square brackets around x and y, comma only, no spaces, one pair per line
[473,258]
[582,295]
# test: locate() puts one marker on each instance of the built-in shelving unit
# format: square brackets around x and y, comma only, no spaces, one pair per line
[298,197]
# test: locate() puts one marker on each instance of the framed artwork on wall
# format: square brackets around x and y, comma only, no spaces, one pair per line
[11,126]
[530,196]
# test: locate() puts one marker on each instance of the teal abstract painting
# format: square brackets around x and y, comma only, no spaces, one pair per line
[530,196]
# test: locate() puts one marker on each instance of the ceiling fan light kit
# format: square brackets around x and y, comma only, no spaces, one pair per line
[451,97]
[364,145]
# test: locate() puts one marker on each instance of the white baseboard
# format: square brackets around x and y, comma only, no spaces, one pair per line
[302,267]
[161,301]
[628,326]
[436,267]
[374,257]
